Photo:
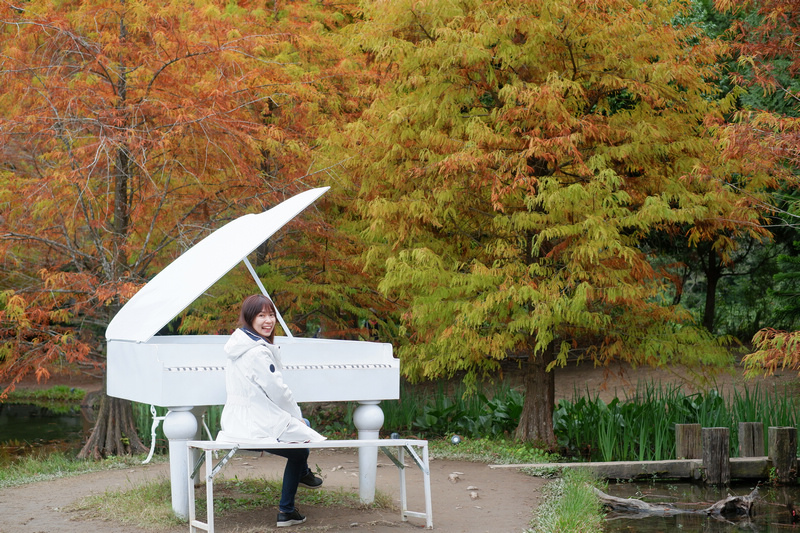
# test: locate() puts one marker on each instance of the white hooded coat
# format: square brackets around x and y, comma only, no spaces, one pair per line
[259,405]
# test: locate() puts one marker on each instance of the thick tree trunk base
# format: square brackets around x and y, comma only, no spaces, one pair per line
[731,508]
[114,431]
[536,419]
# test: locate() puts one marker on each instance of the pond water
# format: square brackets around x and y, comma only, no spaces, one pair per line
[771,510]
[30,430]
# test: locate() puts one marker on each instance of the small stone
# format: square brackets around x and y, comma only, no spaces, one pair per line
[472,487]
[473,495]
[453,477]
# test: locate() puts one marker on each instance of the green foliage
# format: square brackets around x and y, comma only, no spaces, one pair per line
[569,505]
[444,412]
[59,399]
[512,165]
[642,427]
[488,450]
[785,291]
[333,421]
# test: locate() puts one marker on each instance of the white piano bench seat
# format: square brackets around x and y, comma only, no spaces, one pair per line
[402,446]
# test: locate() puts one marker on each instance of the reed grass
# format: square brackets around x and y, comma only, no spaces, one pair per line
[642,426]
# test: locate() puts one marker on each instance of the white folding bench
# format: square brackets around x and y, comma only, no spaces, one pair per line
[402,446]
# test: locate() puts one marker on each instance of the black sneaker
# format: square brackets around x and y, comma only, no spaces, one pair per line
[290,519]
[311,481]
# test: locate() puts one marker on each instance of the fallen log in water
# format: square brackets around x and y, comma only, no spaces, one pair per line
[730,508]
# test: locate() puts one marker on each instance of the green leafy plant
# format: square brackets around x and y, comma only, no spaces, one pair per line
[642,426]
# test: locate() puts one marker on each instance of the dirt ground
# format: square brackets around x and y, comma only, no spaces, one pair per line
[504,503]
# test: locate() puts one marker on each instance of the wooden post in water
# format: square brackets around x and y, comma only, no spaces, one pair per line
[751,439]
[716,455]
[688,442]
[783,453]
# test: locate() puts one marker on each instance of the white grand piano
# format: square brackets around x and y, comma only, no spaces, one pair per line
[186,373]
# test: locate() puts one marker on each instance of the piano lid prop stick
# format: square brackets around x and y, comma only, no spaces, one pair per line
[264,292]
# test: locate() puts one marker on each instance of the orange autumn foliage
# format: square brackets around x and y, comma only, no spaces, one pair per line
[128,131]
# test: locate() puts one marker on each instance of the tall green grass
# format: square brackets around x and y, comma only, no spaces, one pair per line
[642,426]
[569,505]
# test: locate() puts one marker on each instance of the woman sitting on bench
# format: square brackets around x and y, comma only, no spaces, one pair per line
[259,404]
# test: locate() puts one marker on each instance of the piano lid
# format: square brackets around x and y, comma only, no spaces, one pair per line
[199,267]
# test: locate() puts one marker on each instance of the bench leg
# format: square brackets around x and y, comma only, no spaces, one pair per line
[210,491]
[210,471]
[192,508]
[424,466]
[196,525]
[426,472]
[401,455]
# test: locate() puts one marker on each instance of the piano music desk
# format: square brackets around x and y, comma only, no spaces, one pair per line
[402,446]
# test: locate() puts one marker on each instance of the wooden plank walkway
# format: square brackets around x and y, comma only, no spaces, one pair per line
[741,468]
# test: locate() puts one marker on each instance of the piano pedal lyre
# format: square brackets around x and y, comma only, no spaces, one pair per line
[157,420]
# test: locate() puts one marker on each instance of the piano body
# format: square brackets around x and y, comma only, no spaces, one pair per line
[186,373]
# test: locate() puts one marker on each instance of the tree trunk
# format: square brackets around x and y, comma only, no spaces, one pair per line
[114,433]
[536,420]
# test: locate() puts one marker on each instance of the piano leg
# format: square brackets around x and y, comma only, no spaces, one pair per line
[180,426]
[368,418]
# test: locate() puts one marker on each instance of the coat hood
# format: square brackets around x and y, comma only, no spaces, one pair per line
[242,340]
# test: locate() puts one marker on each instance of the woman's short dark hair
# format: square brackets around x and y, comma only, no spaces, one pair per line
[251,307]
